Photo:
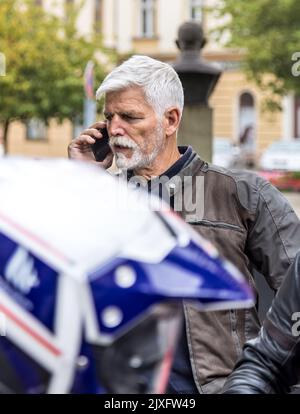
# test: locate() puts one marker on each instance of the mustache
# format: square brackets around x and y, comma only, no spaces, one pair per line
[122,142]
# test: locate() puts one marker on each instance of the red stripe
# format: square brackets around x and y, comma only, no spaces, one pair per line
[33,237]
[164,372]
[46,344]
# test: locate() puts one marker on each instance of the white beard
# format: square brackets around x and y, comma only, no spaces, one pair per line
[138,159]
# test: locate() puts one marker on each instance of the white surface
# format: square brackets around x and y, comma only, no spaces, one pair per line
[76,215]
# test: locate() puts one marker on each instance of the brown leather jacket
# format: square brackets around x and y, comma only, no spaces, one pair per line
[251,224]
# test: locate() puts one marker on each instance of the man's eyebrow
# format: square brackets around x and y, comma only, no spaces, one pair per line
[126,113]
[131,113]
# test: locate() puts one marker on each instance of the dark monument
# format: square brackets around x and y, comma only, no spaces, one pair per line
[199,79]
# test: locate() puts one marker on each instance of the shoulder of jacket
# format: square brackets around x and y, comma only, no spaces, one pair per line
[248,184]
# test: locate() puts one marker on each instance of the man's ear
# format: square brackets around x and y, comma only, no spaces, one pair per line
[172,120]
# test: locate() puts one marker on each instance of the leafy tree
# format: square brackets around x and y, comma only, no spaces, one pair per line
[45,61]
[268,32]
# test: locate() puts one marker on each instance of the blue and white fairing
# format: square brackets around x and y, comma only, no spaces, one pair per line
[82,261]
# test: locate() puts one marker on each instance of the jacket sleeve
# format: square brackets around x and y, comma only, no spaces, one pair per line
[274,235]
[271,362]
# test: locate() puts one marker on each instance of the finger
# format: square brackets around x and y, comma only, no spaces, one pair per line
[98,125]
[107,162]
[84,139]
[92,132]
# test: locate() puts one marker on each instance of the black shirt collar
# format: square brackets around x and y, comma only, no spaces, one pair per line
[186,153]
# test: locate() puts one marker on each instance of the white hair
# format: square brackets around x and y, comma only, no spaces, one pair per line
[159,81]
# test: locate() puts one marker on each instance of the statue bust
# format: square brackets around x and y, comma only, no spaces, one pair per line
[197,76]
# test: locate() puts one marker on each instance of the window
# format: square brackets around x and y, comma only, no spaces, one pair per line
[36,130]
[147,18]
[196,10]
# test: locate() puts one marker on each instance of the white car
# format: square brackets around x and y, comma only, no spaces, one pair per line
[225,154]
[282,155]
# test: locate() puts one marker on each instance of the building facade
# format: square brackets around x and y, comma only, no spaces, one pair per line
[150,27]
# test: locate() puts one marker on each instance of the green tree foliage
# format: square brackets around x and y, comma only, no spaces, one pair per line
[269,33]
[45,62]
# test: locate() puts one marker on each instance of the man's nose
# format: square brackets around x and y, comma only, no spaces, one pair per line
[115,126]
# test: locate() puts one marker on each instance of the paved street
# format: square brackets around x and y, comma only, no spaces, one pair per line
[294,199]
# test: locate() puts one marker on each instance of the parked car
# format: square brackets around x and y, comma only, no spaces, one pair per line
[225,154]
[282,155]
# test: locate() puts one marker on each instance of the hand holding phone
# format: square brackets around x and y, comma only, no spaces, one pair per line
[98,146]
[101,147]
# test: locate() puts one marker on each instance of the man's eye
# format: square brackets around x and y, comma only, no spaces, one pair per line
[129,117]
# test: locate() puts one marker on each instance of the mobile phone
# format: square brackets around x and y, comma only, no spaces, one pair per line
[101,147]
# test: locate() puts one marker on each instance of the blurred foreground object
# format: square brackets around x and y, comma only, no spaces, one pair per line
[91,278]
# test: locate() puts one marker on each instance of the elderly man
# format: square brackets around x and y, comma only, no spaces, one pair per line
[248,220]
